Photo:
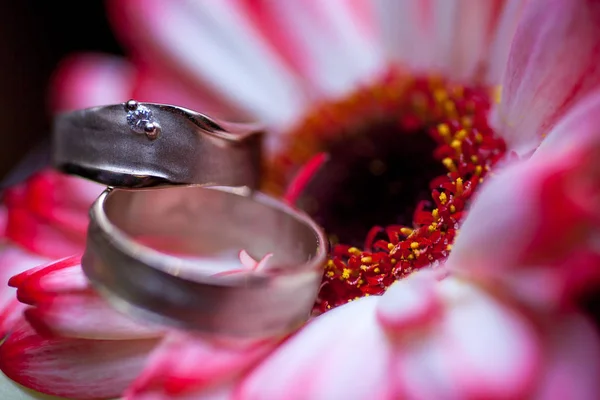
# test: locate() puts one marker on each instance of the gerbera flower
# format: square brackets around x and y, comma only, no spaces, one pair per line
[384,142]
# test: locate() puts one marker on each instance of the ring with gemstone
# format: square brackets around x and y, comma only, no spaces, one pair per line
[144,144]
[171,255]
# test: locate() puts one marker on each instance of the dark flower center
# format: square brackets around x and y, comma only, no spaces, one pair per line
[403,158]
[376,178]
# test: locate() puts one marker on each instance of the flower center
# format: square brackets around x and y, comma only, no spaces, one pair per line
[403,158]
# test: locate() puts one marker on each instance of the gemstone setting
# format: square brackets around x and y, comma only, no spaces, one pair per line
[140,118]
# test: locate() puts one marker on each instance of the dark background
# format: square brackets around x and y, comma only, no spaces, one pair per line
[34,36]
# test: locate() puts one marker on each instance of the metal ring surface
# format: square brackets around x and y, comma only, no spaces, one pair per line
[142,251]
[144,144]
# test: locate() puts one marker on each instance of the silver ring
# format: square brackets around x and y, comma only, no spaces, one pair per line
[143,247]
[143,144]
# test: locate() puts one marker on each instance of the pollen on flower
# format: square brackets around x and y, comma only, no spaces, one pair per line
[464,148]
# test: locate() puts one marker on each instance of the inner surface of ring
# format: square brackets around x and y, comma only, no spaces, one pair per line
[213,224]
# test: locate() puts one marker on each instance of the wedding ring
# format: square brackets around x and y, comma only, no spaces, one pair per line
[165,254]
[144,144]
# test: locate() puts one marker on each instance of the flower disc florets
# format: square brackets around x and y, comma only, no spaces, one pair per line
[388,143]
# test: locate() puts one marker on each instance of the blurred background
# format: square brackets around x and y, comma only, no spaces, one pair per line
[34,36]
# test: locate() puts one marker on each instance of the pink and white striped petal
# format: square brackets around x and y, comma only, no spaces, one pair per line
[88,80]
[214,46]
[64,304]
[577,129]
[553,64]
[62,200]
[40,237]
[322,40]
[162,86]
[491,350]
[473,29]
[186,366]
[530,214]
[499,46]
[450,37]
[72,368]
[341,354]
[13,260]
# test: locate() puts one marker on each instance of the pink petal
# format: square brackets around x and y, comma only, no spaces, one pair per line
[40,237]
[499,46]
[60,276]
[408,32]
[303,176]
[572,364]
[575,130]
[185,365]
[528,214]
[10,313]
[88,80]
[64,304]
[73,368]
[86,316]
[3,219]
[474,28]
[13,260]
[322,40]
[492,350]
[251,264]
[552,65]
[410,303]
[451,37]
[59,199]
[242,69]
[419,370]
[341,354]
[162,86]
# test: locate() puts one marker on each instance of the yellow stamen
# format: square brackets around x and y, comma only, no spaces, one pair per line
[456,145]
[449,164]
[443,130]
[459,186]
[461,134]
[354,251]
[440,95]
[406,231]
[443,198]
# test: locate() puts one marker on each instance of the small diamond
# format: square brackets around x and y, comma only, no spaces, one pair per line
[138,118]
